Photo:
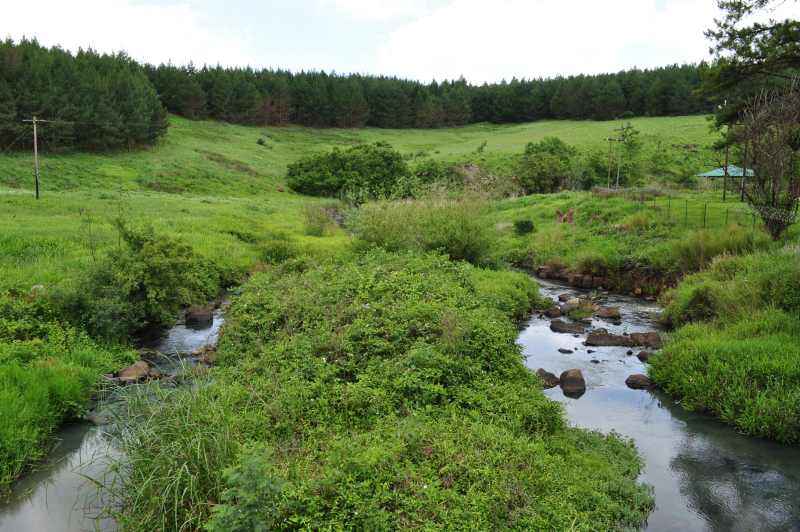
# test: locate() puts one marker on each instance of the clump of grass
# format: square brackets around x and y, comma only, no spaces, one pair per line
[523,227]
[450,225]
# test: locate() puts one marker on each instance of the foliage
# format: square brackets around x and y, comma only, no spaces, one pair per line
[365,171]
[381,391]
[144,283]
[545,166]
[450,225]
[523,226]
[759,50]
[93,101]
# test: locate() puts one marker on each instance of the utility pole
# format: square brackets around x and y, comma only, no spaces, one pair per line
[610,159]
[36,152]
[727,158]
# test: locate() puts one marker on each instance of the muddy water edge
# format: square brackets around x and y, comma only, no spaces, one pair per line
[704,474]
[60,494]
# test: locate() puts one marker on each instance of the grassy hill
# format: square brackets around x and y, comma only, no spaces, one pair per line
[209,182]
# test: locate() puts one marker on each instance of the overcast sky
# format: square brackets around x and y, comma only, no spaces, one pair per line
[483,40]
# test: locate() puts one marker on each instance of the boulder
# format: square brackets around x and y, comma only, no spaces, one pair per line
[564,297]
[644,356]
[638,382]
[601,337]
[570,305]
[560,326]
[608,313]
[572,383]
[549,380]
[136,372]
[565,351]
[200,316]
[553,312]
[594,361]
[647,339]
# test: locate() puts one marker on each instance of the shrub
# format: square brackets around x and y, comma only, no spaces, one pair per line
[523,227]
[365,171]
[145,282]
[545,166]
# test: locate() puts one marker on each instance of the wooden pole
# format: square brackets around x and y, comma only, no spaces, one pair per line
[35,157]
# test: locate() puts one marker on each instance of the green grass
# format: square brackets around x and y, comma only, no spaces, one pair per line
[737,353]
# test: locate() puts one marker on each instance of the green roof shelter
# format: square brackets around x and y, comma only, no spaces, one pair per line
[733,171]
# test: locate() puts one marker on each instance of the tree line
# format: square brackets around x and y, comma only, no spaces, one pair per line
[319,99]
[101,101]
[94,101]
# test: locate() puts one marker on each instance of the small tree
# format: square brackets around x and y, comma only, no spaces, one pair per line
[770,139]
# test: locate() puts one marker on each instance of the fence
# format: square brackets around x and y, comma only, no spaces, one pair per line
[693,212]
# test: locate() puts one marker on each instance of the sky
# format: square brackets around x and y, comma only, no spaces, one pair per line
[481,40]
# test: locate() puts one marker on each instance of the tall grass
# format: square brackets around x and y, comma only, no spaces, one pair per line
[440,223]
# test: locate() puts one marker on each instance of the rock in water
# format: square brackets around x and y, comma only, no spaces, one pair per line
[200,317]
[549,380]
[553,312]
[644,356]
[647,339]
[638,382]
[608,313]
[138,371]
[601,337]
[565,351]
[564,297]
[572,383]
[560,326]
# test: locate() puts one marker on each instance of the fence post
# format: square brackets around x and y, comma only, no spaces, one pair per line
[705,214]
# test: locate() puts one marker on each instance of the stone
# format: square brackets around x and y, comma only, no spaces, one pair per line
[136,372]
[644,356]
[560,326]
[647,339]
[565,351]
[601,337]
[629,352]
[154,373]
[553,312]
[637,291]
[572,383]
[570,305]
[595,361]
[638,382]
[564,297]
[200,317]
[608,313]
[587,281]
[549,380]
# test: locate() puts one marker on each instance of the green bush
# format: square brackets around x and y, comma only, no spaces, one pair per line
[145,282]
[523,227]
[446,225]
[365,171]
[545,166]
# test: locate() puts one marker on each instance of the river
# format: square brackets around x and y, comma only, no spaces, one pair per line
[705,475]
[60,494]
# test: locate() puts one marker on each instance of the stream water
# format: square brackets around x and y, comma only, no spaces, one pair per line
[705,475]
[59,495]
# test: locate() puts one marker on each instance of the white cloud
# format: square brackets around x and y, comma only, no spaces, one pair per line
[146,31]
[488,41]
[375,10]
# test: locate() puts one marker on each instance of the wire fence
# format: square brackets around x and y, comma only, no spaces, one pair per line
[696,213]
